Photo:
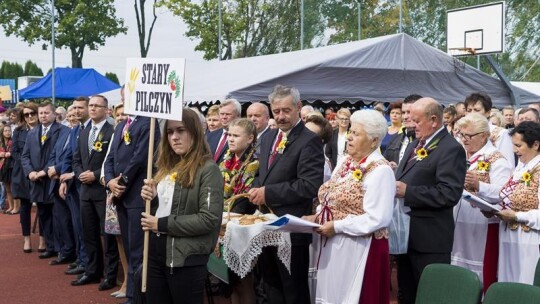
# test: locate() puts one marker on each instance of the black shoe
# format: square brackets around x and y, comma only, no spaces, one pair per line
[73,265]
[41,250]
[27,250]
[76,270]
[47,254]
[61,261]
[107,284]
[85,280]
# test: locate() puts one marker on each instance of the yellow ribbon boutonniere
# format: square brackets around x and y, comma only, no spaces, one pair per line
[127,137]
[43,138]
[282,145]
[173,177]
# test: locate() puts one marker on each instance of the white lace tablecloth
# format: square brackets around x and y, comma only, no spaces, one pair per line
[243,244]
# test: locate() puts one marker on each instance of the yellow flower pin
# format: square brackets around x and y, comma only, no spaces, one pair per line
[282,145]
[357,174]
[43,138]
[483,166]
[98,146]
[421,154]
[526,178]
[226,177]
[127,138]
[173,177]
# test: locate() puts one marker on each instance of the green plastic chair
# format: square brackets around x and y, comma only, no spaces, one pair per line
[448,284]
[536,281]
[512,293]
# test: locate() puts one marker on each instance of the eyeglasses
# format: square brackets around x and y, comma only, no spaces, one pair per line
[29,114]
[467,136]
[96,106]
[343,119]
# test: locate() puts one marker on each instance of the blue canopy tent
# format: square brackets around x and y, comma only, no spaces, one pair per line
[69,83]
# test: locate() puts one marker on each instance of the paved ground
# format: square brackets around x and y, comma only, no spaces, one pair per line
[24,278]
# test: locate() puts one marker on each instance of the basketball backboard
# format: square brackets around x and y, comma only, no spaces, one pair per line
[475,30]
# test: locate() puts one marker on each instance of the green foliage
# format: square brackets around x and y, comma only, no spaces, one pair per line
[257,27]
[31,69]
[249,27]
[112,77]
[80,24]
[11,70]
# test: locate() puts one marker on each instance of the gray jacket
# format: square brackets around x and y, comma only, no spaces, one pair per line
[193,226]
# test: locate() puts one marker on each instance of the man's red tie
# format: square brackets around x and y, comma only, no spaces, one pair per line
[275,149]
[220,147]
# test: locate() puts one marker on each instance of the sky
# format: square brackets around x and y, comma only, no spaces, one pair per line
[168,41]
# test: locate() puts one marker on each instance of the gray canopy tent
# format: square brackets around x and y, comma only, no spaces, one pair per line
[385,69]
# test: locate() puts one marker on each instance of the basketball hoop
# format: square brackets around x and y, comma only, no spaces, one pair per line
[462,51]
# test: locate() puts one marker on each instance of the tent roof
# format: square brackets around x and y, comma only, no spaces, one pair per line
[386,68]
[69,83]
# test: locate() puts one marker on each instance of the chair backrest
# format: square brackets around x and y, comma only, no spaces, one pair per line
[536,281]
[448,284]
[512,293]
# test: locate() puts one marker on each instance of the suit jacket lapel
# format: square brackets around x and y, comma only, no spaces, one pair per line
[403,165]
[293,135]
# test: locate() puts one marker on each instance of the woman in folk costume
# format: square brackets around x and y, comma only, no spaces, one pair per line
[356,207]
[519,233]
[475,236]
[238,169]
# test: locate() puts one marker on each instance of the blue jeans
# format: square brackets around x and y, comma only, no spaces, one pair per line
[2,195]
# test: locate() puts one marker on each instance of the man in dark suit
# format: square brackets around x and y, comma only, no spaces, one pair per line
[229,110]
[35,158]
[291,166]
[69,187]
[396,148]
[430,178]
[91,149]
[62,225]
[125,171]
[258,113]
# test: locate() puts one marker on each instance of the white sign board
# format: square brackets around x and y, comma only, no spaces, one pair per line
[155,87]
[479,28]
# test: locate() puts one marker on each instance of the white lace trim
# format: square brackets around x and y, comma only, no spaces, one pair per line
[242,262]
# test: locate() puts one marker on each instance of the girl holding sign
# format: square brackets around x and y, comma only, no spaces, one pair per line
[189,189]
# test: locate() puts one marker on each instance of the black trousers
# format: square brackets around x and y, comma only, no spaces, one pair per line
[26,216]
[172,285]
[279,285]
[45,215]
[102,257]
[410,267]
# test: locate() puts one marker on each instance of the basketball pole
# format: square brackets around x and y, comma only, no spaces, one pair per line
[513,96]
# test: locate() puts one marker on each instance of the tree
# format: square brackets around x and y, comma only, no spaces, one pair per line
[9,70]
[249,27]
[31,69]
[79,24]
[112,77]
[144,43]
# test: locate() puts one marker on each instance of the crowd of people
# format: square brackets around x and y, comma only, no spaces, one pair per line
[353,172]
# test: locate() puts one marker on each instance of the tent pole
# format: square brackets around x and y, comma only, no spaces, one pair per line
[359,20]
[400,16]
[513,96]
[52,44]
[219,30]
[302,24]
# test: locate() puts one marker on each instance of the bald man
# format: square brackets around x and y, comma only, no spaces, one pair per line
[430,184]
[305,111]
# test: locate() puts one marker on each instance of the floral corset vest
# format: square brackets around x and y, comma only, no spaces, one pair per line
[524,197]
[344,193]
